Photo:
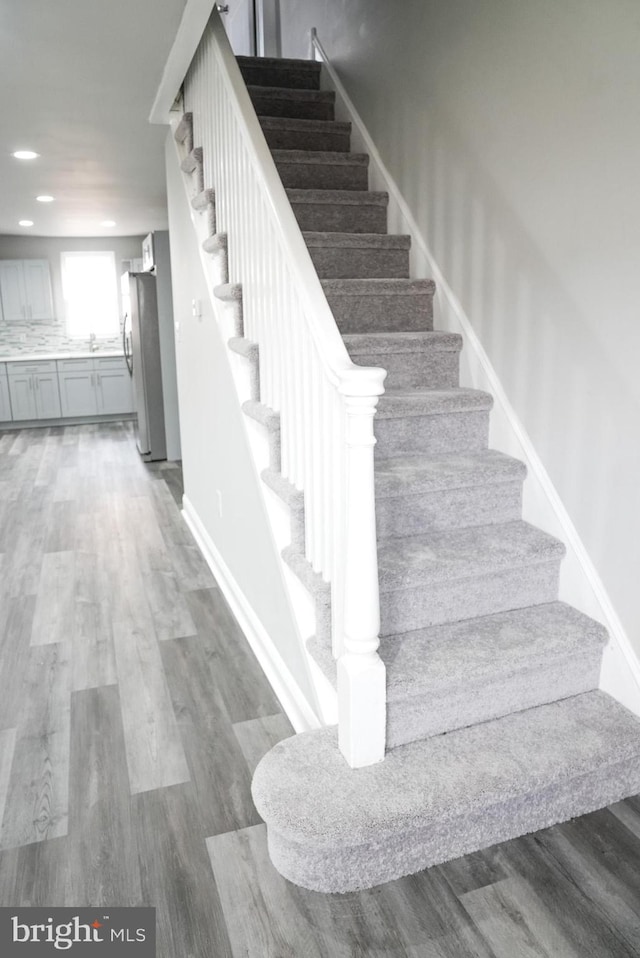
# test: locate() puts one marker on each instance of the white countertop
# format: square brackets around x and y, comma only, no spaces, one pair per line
[34,357]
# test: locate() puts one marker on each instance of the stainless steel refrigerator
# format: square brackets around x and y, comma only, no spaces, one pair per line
[141,341]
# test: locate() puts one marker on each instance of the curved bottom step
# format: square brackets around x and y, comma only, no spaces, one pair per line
[335,829]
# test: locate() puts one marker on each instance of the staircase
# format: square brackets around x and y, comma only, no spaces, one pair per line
[495,725]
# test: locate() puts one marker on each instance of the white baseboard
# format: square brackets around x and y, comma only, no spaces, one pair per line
[284,685]
[581,584]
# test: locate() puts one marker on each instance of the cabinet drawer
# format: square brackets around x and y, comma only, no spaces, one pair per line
[109,362]
[75,365]
[26,369]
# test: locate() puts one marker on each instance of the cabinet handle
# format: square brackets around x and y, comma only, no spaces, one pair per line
[30,313]
[30,384]
[37,383]
[99,380]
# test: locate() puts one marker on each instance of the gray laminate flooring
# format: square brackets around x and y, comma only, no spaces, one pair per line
[132,714]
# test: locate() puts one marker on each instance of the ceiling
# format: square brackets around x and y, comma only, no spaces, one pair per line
[83,76]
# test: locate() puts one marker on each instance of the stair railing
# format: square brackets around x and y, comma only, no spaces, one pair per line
[326,403]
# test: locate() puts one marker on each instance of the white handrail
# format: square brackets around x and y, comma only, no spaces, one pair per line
[326,402]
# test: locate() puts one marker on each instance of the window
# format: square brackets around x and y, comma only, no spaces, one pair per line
[90,290]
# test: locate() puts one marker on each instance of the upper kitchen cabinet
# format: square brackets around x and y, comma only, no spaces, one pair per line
[25,288]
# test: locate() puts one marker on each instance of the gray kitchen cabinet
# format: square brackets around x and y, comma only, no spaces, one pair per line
[25,288]
[5,403]
[99,386]
[77,387]
[33,388]
[113,386]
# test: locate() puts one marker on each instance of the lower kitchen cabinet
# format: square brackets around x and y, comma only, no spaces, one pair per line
[65,389]
[90,387]
[33,388]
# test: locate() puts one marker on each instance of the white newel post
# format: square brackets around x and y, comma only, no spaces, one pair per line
[361,672]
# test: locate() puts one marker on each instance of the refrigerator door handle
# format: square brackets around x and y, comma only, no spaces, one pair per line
[125,341]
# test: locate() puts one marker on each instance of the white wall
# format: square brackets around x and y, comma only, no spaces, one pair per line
[42,336]
[216,458]
[511,129]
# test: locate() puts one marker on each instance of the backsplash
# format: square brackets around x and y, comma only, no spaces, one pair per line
[21,339]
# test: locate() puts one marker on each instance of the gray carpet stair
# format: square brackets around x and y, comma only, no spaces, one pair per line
[415,494]
[311,170]
[380,305]
[335,211]
[305,104]
[483,668]
[289,133]
[410,358]
[451,574]
[334,829]
[495,726]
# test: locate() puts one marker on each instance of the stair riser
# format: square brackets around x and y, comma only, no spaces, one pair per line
[431,435]
[351,867]
[308,140]
[428,369]
[340,217]
[408,720]
[404,610]
[311,109]
[341,262]
[283,77]
[323,176]
[476,505]
[379,314]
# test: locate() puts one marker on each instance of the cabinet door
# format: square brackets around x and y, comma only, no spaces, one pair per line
[5,405]
[12,290]
[47,396]
[77,393]
[115,394]
[23,398]
[37,285]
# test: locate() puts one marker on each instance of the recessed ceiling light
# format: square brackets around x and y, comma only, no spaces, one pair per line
[108,223]
[25,223]
[45,199]
[25,155]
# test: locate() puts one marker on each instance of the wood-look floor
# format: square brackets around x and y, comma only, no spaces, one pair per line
[132,714]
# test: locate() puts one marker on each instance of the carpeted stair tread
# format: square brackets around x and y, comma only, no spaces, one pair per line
[344,197]
[398,403]
[269,71]
[413,475]
[301,125]
[280,101]
[354,211]
[402,342]
[320,157]
[384,304]
[413,359]
[335,829]
[370,286]
[291,133]
[463,655]
[446,555]
[287,93]
[373,241]
[457,674]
